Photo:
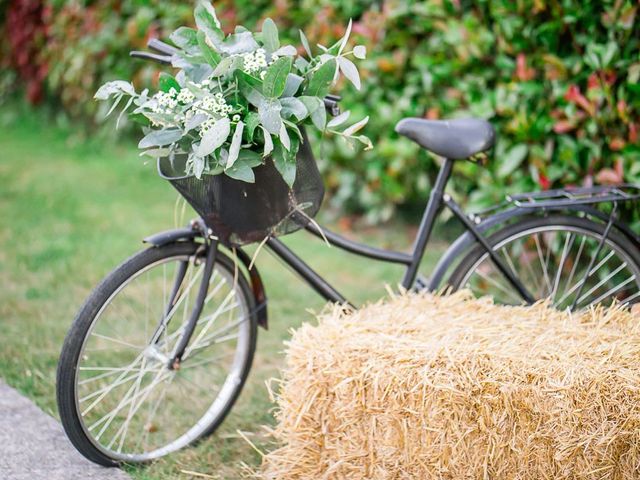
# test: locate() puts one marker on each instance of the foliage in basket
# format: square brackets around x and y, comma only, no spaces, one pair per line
[238,99]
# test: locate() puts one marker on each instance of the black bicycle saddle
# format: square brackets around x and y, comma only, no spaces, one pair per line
[454,139]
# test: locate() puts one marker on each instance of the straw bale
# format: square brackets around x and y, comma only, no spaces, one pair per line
[428,387]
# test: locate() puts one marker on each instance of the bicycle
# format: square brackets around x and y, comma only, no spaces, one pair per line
[137,378]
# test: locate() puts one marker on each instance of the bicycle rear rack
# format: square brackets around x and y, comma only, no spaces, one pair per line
[576,196]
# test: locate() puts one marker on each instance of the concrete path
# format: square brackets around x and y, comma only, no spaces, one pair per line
[33,445]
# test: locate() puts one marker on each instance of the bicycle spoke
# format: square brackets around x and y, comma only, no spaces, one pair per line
[212,319]
[499,286]
[629,300]
[205,361]
[127,399]
[211,339]
[542,263]
[109,387]
[576,262]
[563,258]
[585,278]
[613,290]
[115,340]
[104,394]
[151,415]
[124,425]
[601,282]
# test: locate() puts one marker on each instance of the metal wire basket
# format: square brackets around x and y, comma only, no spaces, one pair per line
[239,212]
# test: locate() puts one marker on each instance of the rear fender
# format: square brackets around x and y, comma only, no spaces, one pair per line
[257,286]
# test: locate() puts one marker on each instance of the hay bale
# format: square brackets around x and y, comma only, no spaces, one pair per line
[426,387]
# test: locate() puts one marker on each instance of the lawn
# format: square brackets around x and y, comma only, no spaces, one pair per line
[71,210]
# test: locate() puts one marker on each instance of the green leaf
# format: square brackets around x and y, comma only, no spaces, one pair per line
[268,142]
[253,96]
[214,137]
[210,55]
[252,121]
[285,163]
[293,84]
[284,137]
[159,138]
[340,119]
[227,65]
[207,22]
[198,164]
[512,160]
[292,106]
[236,143]
[360,51]
[276,77]
[166,82]
[269,111]
[195,121]
[241,171]
[185,38]
[316,109]
[350,71]
[249,158]
[356,126]
[321,80]
[305,44]
[238,43]
[270,38]
[157,152]
[115,87]
[249,80]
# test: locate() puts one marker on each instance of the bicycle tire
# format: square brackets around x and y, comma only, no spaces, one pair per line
[67,366]
[616,241]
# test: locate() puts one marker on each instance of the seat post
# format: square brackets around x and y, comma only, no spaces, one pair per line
[427,222]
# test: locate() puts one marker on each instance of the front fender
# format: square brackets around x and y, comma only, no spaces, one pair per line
[466,240]
[188,234]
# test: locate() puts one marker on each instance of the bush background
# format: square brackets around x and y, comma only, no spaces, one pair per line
[558,79]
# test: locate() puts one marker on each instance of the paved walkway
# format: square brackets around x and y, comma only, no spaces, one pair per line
[33,445]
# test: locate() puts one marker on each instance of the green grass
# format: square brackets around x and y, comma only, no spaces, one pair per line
[71,211]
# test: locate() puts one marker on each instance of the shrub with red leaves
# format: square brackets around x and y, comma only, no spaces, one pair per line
[26,34]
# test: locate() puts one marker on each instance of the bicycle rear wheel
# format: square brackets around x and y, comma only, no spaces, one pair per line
[555,258]
[117,398]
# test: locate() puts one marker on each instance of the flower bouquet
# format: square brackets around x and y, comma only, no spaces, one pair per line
[228,129]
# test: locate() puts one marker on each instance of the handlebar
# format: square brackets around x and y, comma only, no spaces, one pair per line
[166,53]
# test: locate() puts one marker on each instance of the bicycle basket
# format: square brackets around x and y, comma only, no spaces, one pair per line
[239,212]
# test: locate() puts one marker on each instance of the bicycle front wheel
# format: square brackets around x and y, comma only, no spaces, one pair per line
[118,400]
[560,258]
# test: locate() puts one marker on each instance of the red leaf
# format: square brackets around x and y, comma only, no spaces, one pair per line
[633,133]
[523,72]
[616,144]
[563,126]
[574,95]
[544,182]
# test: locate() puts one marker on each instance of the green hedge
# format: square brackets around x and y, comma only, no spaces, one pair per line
[558,79]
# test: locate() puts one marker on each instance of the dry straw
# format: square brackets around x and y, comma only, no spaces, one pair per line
[425,387]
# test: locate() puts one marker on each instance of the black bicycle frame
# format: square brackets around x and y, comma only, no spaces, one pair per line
[437,200]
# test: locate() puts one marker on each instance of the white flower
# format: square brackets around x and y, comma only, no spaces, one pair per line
[213,104]
[253,62]
[262,74]
[185,96]
[206,125]
[236,118]
[173,92]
